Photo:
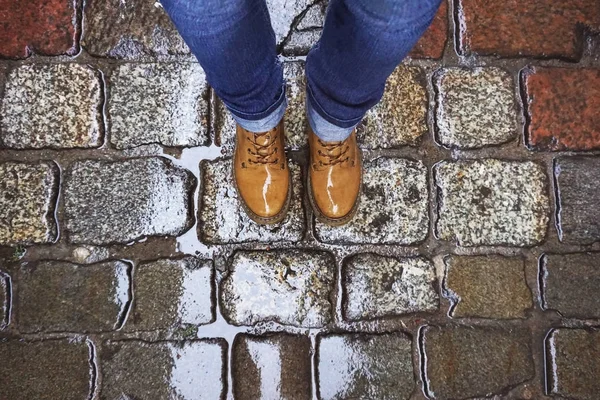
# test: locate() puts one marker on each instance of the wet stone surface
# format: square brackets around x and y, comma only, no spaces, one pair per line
[492,202]
[392,209]
[375,286]
[223,220]
[466,362]
[570,284]
[193,370]
[170,294]
[272,367]
[354,366]
[487,287]
[4,300]
[433,42]
[27,202]
[52,105]
[123,201]
[158,103]
[50,369]
[578,182]
[291,287]
[475,108]
[574,362]
[75,298]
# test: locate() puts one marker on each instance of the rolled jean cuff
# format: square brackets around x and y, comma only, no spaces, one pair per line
[325,130]
[264,121]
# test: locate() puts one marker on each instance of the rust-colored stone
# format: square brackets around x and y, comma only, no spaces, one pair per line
[432,44]
[563,108]
[536,28]
[45,27]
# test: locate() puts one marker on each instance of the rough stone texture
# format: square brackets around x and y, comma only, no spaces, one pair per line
[487,287]
[393,206]
[169,294]
[562,108]
[135,29]
[578,183]
[355,366]
[223,220]
[27,202]
[475,108]
[283,13]
[193,370]
[401,117]
[466,362]
[75,298]
[574,363]
[52,105]
[492,202]
[271,367]
[570,284]
[291,287]
[300,42]
[158,103]
[500,27]
[50,369]
[4,300]
[376,286]
[41,27]
[122,201]
[433,42]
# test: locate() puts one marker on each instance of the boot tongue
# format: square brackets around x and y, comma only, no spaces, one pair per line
[263,139]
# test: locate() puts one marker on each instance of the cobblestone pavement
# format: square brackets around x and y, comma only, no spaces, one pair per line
[129,271]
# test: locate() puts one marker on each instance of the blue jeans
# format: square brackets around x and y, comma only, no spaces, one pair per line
[362,43]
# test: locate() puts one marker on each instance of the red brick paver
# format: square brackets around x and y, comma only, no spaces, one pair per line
[536,28]
[562,107]
[432,44]
[47,27]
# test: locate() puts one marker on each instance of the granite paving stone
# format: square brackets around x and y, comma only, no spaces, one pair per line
[37,27]
[52,106]
[158,103]
[376,286]
[192,370]
[492,202]
[562,106]
[223,220]
[487,287]
[467,362]
[170,294]
[392,209]
[570,284]
[290,287]
[578,187]
[284,13]
[49,369]
[123,201]
[433,42]
[276,366]
[75,298]
[4,300]
[355,366]
[475,107]
[27,202]
[300,42]
[497,28]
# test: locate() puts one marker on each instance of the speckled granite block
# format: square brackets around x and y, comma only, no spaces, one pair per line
[170,294]
[158,103]
[307,31]
[291,287]
[49,369]
[4,300]
[487,287]
[283,15]
[123,201]
[393,206]
[223,220]
[475,108]
[27,203]
[375,286]
[400,118]
[191,370]
[52,105]
[354,366]
[75,298]
[492,202]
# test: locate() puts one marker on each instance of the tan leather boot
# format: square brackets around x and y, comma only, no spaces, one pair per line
[261,174]
[334,178]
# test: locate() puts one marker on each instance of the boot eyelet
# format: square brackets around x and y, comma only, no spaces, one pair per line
[243,165]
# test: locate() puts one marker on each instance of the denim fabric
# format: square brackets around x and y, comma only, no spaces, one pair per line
[362,43]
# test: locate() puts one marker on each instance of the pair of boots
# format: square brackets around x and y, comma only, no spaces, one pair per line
[262,177]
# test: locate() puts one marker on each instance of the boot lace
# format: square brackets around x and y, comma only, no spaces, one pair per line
[263,153]
[335,152]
